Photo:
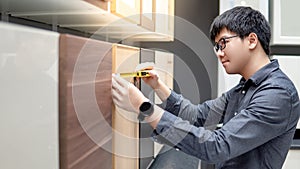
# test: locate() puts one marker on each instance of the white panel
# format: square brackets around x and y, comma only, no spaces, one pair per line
[292,160]
[290,66]
[285,27]
[260,5]
[164,65]
[29,98]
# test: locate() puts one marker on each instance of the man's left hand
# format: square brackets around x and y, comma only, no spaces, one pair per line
[125,95]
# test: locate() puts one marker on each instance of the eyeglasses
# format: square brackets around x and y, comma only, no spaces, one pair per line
[221,44]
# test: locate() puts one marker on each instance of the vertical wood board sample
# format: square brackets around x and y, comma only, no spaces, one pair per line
[84,103]
[125,124]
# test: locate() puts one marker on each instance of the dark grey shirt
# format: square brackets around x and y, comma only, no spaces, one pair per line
[259,118]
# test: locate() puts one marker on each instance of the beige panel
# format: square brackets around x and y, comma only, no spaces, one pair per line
[148,14]
[127,9]
[164,63]
[125,124]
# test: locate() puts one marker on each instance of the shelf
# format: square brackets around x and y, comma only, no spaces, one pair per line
[90,16]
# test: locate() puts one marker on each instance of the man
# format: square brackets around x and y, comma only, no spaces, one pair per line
[259,114]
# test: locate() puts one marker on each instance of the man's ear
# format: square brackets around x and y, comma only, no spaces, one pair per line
[253,40]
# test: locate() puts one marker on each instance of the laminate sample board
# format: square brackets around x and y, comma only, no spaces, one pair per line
[29,98]
[125,124]
[85,103]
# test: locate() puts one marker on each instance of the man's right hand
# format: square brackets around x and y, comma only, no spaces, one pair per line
[153,81]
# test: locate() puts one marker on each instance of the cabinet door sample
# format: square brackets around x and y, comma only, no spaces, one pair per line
[125,124]
[29,98]
[127,9]
[148,14]
[84,103]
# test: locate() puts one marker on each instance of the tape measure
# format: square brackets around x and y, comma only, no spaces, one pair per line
[142,73]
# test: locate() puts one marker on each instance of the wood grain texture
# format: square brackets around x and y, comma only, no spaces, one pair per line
[125,124]
[103,4]
[84,103]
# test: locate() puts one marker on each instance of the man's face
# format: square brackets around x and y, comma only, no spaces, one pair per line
[232,51]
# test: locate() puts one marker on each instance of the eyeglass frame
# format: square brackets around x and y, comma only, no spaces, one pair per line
[217,46]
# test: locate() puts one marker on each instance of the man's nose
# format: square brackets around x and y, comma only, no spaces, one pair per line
[219,53]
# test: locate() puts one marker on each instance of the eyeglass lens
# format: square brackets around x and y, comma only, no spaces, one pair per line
[220,45]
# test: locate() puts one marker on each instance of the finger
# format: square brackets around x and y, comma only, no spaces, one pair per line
[118,91]
[116,102]
[120,81]
[115,96]
[115,84]
[144,66]
[153,73]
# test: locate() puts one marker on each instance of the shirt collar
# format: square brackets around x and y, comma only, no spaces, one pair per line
[262,73]
[259,76]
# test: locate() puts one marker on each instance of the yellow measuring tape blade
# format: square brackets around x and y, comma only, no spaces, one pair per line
[136,74]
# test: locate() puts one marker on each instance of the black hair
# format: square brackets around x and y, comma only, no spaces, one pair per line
[243,21]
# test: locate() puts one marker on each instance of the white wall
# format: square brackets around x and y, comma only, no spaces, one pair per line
[290,66]
[225,81]
[292,161]
[28,98]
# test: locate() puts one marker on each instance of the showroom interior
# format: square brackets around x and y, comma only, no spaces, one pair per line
[56,62]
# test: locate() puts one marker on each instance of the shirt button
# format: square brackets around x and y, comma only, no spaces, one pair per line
[235,113]
[243,92]
[177,149]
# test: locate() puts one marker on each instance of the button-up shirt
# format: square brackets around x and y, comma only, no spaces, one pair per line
[250,126]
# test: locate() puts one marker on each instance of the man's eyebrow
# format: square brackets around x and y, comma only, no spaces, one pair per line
[221,38]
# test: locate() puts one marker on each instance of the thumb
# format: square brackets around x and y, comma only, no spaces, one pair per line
[144,66]
[120,81]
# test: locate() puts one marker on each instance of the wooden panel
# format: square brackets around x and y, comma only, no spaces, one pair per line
[84,103]
[127,9]
[148,14]
[103,4]
[162,23]
[125,124]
